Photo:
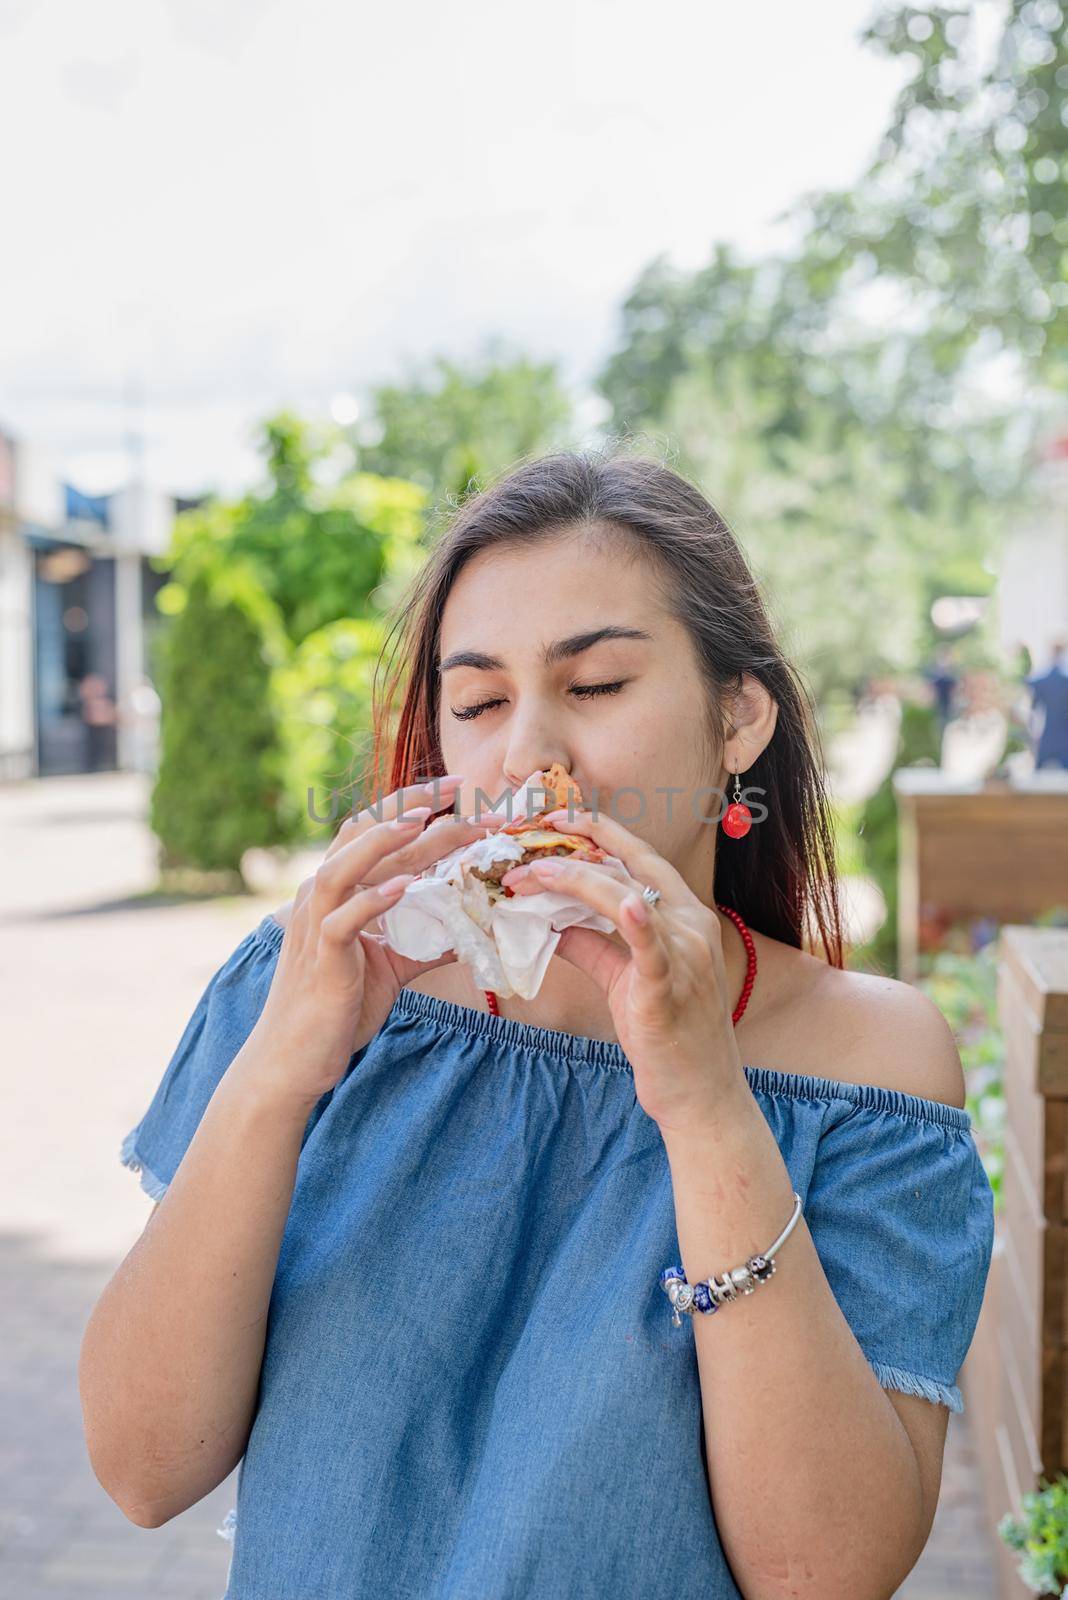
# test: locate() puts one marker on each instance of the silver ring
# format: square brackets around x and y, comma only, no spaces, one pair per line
[650,895]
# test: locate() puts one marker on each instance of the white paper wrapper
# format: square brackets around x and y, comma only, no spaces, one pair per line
[507,944]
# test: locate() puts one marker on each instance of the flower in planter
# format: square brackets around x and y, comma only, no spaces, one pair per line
[1041,1537]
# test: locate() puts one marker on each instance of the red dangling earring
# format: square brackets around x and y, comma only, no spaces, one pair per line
[737,819]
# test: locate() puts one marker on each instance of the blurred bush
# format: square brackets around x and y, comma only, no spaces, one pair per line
[275,622]
[221,785]
[963,984]
[324,699]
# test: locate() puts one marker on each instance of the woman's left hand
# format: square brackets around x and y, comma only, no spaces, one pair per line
[667,991]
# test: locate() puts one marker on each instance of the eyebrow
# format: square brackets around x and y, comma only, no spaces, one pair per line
[559,650]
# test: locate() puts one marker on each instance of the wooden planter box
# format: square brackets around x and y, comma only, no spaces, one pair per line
[1015,1379]
[993,849]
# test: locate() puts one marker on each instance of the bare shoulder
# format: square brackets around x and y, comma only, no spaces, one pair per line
[889,1033]
[860,1027]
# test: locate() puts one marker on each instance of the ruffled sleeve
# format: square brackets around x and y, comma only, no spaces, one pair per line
[222,1020]
[902,1216]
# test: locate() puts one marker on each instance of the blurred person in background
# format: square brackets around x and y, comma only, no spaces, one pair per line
[1050,694]
[99,714]
[942,678]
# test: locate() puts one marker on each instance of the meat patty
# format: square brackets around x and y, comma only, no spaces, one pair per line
[494,873]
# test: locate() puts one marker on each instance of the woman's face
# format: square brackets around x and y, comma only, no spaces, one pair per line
[626,716]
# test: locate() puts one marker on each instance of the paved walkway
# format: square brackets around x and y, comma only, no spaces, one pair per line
[97,980]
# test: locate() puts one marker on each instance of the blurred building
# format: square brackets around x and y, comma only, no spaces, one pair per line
[77,616]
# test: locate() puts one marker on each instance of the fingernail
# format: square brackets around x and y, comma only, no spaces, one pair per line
[417,814]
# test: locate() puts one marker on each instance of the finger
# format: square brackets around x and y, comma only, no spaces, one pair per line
[304,892]
[353,863]
[642,928]
[438,792]
[405,968]
[594,954]
[644,932]
[639,858]
[409,843]
[601,890]
[438,837]
[342,925]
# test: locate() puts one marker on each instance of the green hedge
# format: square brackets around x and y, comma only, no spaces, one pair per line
[221,783]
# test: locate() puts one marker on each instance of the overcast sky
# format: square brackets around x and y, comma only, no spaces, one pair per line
[241,205]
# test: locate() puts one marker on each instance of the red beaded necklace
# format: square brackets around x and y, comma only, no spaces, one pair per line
[750,969]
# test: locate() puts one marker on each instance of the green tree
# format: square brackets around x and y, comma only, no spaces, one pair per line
[451,425]
[824,446]
[965,205]
[863,409]
[319,544]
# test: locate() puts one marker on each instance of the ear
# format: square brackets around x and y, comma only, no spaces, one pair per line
[750,717]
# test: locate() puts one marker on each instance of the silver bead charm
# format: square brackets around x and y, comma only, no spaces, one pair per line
[722,1289]
[761,1267]
[681,1295]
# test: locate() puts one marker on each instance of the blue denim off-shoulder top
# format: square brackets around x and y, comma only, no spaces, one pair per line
[471,1386]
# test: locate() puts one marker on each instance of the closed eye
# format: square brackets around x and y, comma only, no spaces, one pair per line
[581,691]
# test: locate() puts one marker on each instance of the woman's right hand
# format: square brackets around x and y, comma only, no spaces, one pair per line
[336,979]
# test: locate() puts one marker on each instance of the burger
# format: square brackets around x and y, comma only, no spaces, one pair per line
[533,842]
[460,904]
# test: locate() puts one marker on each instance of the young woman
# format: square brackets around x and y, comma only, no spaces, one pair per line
[419,1254]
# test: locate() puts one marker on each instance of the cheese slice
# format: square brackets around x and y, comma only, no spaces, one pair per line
[547,838]
[550,839]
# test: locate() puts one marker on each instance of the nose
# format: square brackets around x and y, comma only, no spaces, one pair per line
[530,744]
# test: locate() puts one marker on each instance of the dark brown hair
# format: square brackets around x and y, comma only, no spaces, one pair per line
[781,876]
